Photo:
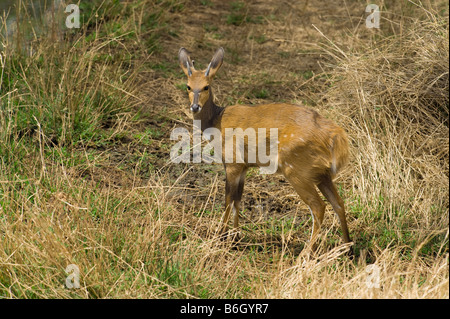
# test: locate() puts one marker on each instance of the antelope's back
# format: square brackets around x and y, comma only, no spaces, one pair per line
[313,140]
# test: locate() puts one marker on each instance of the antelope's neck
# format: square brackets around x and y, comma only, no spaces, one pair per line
[210,114]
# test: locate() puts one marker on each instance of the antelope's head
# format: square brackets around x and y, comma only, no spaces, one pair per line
[198,82]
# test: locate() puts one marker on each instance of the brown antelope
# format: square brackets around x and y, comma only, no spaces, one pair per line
[311,149]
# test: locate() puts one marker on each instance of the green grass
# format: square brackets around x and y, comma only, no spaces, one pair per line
[239,14]
[260,39]
[261,93]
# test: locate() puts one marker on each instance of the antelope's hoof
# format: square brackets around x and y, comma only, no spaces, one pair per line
[223,234]
[350,253]
[235,235]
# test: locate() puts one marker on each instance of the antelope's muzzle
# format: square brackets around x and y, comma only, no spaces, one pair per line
[195,108]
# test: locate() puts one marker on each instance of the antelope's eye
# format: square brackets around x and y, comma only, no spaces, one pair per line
[188,87]
[206,88]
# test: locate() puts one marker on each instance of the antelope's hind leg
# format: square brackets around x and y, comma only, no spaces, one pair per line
[328,189]
[308,193]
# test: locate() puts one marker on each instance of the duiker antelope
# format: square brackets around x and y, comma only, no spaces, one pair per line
[311,149]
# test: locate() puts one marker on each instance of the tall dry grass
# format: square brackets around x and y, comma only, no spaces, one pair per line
[392,96]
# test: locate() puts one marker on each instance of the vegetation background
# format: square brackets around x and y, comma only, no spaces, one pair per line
[86,178]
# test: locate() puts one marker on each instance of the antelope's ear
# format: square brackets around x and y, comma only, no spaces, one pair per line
[216,63]
[185,62]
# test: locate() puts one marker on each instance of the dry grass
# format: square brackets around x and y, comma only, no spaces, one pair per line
[394,96]
[85,176]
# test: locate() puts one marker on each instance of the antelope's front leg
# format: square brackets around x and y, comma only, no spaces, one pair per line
[234,186]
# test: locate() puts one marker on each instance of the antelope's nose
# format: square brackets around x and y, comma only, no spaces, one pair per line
[195,108]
